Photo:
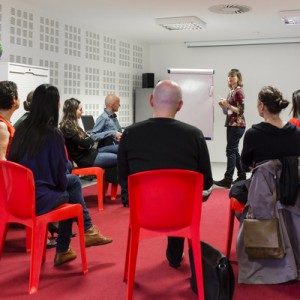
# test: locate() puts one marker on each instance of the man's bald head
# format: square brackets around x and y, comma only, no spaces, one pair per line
[166,99]
[111,99]
[112,102]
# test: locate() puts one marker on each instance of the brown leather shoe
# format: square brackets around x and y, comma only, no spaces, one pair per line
[93,237]
[63,257]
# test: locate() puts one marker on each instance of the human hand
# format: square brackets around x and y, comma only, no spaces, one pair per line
[118,136]
[222,102]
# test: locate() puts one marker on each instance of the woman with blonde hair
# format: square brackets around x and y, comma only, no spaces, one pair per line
[233,108]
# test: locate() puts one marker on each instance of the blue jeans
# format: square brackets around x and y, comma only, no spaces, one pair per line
[72,195]
[106,157]
[234,134]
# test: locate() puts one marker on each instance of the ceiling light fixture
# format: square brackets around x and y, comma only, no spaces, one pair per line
[243,42]
[181,23]
[229,9]
[290,17]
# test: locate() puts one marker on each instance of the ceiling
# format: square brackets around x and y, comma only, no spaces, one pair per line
[135,19]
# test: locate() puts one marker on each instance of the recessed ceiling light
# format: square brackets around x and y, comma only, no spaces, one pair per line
[229,9]
[181,23]
[290,17]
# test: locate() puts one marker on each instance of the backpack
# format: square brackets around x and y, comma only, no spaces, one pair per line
[218,275]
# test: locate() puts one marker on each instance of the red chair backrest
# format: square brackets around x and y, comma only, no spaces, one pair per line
[165,198]
[17,190]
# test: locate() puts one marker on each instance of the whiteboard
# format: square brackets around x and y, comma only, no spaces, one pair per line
[26,77]
[197,93]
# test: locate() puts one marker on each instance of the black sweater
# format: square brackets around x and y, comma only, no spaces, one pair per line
[264,141]
[80,149]
[159,143]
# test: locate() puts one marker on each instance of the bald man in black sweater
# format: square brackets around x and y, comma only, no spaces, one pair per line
[162,142]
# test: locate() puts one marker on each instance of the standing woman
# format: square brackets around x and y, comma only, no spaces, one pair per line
[233,107]
[296,109]
[38,145]
[79,144]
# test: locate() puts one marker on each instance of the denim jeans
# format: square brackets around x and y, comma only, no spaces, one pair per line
[234,134]
[72,195]
[106,157]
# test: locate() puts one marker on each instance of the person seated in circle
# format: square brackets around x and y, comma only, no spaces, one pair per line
[26,105]
[79,145]
[39,145]
[296,109]
[9,103]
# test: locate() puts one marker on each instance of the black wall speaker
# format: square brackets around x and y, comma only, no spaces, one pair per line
[148,80]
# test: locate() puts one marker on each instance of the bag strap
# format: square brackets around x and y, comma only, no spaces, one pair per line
[275,162]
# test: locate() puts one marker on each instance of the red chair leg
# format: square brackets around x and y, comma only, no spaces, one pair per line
[197,254]
[114,189]
[230,232]
[100,191]
[133,250]
[234,205]
[37,253]
[82,243]
[3,232]
[125,276]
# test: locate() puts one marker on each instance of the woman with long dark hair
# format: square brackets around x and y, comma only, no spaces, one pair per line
[38,144]
[79,144]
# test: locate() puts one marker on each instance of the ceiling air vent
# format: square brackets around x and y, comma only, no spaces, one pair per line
[229,9]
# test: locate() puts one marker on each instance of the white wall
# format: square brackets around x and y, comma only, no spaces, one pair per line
[85,63]
[260,65]
[277,65]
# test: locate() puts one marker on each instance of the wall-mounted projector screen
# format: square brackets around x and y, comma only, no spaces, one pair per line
[198,105]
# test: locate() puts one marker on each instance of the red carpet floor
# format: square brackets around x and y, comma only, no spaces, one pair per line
[154,278]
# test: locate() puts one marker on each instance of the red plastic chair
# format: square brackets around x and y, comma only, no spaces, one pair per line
[167,202]
[98,172]
[234,206]
[17,194]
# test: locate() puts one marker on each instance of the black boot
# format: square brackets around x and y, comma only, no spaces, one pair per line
[225,182]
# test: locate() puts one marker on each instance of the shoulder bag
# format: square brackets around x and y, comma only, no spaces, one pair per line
[262,238]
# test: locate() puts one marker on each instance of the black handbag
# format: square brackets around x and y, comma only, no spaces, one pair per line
[217,271]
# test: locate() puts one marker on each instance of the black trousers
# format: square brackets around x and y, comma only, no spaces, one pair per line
[175,249]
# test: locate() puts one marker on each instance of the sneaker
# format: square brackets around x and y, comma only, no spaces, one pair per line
[63,257]
[93,237]
[225,182]
[240,178]
[51,244]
